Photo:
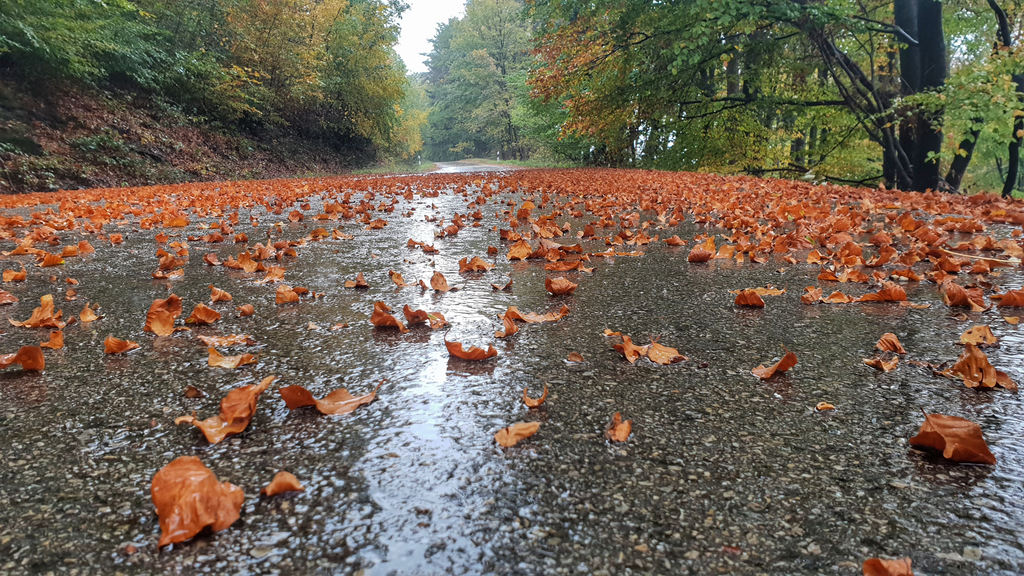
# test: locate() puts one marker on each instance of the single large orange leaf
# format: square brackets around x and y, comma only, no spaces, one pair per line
[890,292]
[382,318]
[162,314]
[974,368]
[630,351]
[513,313]
[534,402]
[439,283]
[113,345]
[336,402]
[890,343]
[284,294]
[188,497]
[894,567]
[664,355]
[282,482]
[955,295]
[979,336]
[618,429]
[472,353]
[56,341]
[217,359]
[511,435]
[885,365]
[202,315]
[749,298]
[766,372]
[477,264]
[225,341]
[7,298]
[28,357]
[236,411]
[559,286]
[87,315]
[958,439]
[521,250]
[509,325]
[218,295]
[43,316]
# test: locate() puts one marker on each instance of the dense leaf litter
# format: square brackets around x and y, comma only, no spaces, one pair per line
[654,447]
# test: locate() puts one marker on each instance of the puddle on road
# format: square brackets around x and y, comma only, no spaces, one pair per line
[724,473]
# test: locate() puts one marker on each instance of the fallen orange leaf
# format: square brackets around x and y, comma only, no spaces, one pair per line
[56,341]
[663,355]
[812,295]
[282,482]
[559,286]
[824,407]
[533,318]
[618,429]
[246,310]
[979,336]
[43,316]
[28,357]
[477,264]
[382,318]
[336,402]
[161,315]
[117,346]
[284,294]
[202,315]
[15,276]
[473,353]
[890,343]
[749,298]
[958,439]
[630,351]
[882,364]
[510,327]
[575,357]
[397,279]
[436,319]
[511,435]
[838,297]
[974,368]
[439,283]
[218,295]
[534,402]
[359,282]
[188,497]
[7,298]
[236,411]
[230,362]
[787,362]
[224,341]
[890,292]
[955,295]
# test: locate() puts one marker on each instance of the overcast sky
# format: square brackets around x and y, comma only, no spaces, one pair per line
[419,24]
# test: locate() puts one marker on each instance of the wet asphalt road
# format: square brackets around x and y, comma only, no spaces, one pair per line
[724,474]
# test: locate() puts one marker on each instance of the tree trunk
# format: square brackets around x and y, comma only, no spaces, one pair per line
[933,76]
[964,153]
[1013,160]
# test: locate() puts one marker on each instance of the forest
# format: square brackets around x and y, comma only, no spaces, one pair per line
[914,94]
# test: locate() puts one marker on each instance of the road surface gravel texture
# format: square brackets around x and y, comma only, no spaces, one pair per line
[723,474]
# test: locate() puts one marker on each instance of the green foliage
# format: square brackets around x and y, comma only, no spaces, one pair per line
[325,69]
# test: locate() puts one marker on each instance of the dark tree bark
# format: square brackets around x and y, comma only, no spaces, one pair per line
[1013,154]
[933,76]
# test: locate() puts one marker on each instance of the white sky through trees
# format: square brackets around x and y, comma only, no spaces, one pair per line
[419,24]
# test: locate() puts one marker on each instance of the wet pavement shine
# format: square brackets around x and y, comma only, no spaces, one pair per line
[723,474]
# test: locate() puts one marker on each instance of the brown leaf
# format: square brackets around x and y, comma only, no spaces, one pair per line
[575,357]
[663,355]
[282,482]
[532,318]
[824,407]
[838,297]
[202,315]
[880,567]
[787,362]
[336,402]
[506,287]
[397,279]
[117,346]
[382,318]
[749,298]
[246,310]
[359,282]
[979,336]
[218,295]
[473,353]
[439,283]
[955,295]
[43,316]
[284,294]
[477,264]
[230,362]
[618,429]
[162,314]
[28,357]
[559,286]
[534,402]
[882,364]
[188,497]
[510,327]
[521,250]
[890,343]
[630,351]
[958,439]
[226,341]
[811,295]
[513,434]
[976,371]
[890,292]
[236,411]
[56,341]
[7,298]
